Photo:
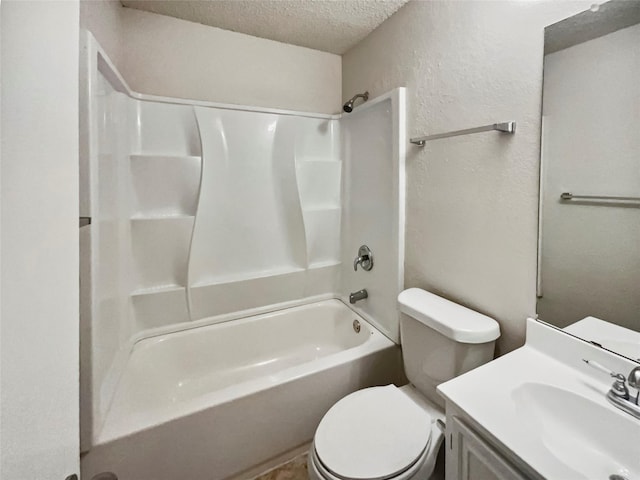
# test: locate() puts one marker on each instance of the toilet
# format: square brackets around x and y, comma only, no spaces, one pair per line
[389,432]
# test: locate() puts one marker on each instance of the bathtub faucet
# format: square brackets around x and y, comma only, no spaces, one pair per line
[356,296]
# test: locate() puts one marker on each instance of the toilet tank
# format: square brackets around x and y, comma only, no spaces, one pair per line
[441,340]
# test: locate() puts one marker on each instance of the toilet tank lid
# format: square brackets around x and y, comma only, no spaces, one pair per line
[454,321]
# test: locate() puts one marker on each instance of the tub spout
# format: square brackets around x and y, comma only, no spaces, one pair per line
[356,296]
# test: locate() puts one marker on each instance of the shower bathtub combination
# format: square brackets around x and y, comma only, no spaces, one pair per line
[216,271]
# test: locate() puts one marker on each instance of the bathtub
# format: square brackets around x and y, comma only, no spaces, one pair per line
[224,400]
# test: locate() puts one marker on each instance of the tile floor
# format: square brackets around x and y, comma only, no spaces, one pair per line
[295,469]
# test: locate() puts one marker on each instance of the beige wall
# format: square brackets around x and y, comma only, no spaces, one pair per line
[165,56]
[39,197]
[471,201]
[103,18]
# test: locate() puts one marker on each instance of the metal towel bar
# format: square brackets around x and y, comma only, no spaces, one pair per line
[571,196]
[504,127]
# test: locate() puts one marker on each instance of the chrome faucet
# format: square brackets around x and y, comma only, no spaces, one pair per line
[364,259]
[357,296]
[619,395]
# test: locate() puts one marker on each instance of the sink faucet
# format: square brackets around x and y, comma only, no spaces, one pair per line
[359,295]
[619,395]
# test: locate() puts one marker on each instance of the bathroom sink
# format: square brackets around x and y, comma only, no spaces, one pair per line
[547,410]
[590,438]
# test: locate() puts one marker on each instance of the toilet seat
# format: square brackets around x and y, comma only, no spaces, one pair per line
[420,470]
[377,433]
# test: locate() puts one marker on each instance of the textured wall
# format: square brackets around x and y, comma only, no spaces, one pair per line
[591,252]
[165,56]
[39,328]
[471,201]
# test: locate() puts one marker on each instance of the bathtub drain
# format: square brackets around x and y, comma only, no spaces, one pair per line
[356,326]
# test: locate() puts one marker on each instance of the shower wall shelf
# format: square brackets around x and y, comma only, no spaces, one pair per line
[178,216]
[164,186]
[155,290]
[319,179]
[503,127]
[158,309]
[325,264]
[160,219]
[243,277]
[141,157]
[164,263]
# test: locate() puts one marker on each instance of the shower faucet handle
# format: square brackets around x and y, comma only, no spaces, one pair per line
[364,259]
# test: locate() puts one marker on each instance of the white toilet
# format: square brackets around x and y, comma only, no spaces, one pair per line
[389,432]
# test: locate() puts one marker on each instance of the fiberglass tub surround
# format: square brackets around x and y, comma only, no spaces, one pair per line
[203,214]
[200,212]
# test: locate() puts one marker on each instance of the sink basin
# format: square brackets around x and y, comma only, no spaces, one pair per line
[591,439]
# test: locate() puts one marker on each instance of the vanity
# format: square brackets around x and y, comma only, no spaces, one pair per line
[541,412]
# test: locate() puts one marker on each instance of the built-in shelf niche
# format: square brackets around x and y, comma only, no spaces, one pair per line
[160,248]
[159,307]
[323,236]
[165,171]
[319,182]
[164,186]
[164,128]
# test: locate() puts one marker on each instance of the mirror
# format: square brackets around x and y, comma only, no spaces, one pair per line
[589,235]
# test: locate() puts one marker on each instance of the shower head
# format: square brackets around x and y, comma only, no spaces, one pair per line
[348,107]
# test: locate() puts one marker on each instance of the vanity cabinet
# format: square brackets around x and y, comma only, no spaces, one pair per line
[470,457]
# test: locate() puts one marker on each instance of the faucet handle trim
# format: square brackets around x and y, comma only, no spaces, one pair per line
[364,259]
[619,387]
[618,395]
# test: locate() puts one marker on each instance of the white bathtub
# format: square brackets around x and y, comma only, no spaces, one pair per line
[213,402]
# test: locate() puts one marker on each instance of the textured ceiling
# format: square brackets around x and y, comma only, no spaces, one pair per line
[329,25]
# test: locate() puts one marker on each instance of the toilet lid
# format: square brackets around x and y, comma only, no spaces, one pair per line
[375,433]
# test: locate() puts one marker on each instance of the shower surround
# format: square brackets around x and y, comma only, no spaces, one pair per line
[203,214]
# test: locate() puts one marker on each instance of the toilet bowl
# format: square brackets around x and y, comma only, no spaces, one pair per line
[392,433]
[377,433]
